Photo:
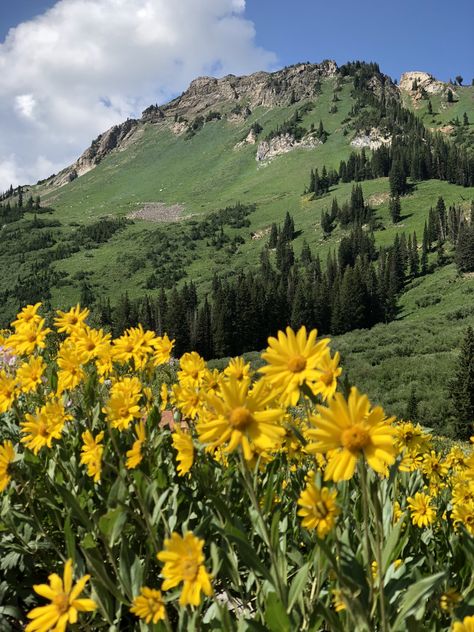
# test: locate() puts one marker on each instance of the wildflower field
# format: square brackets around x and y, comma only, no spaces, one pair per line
[138,492]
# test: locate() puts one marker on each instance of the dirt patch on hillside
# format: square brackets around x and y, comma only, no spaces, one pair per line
[378,198]
[158,212]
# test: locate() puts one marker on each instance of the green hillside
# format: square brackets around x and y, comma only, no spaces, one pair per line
[56,253]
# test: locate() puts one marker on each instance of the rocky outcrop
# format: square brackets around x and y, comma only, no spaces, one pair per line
[268,149]
[415,82]
[372,139]
[250,139]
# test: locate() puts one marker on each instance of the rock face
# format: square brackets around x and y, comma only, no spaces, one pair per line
[282,144]
[250,139]
[424,81]
[373,139]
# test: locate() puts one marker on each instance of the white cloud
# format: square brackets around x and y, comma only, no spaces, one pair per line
[85,65]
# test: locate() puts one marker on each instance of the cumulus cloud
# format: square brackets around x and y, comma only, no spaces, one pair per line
[85,65]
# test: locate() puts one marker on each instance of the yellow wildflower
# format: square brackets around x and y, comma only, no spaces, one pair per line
[7,455]
[163,396]
[163,348]
[68,322]
[135,344]
[421,511]
[29,336]
[148,605]
[192,370]
[329,371]
[90,342]
[464,513]
[64,606]
[123,405]
[292,361]
[346,431]
[28,315]
[45,425]
[238,369]
[134,455]
[183,444]
[211,381]
[243,417]
[318,508]
[411,437]
[7,391]
[466,625]
[184,562]
[29,374]
[188,400]
[70,362]
[91,454]
[449,600]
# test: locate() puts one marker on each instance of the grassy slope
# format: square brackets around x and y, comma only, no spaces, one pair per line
[206,173]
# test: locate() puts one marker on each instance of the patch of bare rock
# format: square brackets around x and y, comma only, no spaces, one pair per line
[269,149]
[158,212]
[372,139]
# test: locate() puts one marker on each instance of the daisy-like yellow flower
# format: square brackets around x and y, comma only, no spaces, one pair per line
[238,369]
[434,468]
[90,342]
[211,381]
[348,430]
[318,508]
[70,363]
[411,461]
[28,315]
[148,605]
[29,337]
[135,344]
[192,370]
[163,348]
[398,513]
[46,424]
[104,361]
[164,396]
[464,513]
[337,600]
[329,371]
[449,600]
[292,361]
[91,454]
[411,437]
[462,489]
[68,322]
[64,606]
[188,400]
[184,562]
[7,391]
[134,455]
[466,625]
[242,416]
[29,374]
[123,405]
[7,455]
[421,512]
[183,444]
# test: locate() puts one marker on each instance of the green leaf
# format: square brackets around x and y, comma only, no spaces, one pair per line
[413,597]
[71,501]
[69,539]
[297,585]
[111,524]
[275,614]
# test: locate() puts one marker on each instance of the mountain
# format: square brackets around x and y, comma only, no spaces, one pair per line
[192,188]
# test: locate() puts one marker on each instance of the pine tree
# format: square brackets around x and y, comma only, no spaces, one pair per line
[430,107]
[397,179]
[449,96]
[465,120]
[395,208]
[462,388]
[424,251]
[411,411]
[415,258]
[273,239]
[464,255]
[288,230]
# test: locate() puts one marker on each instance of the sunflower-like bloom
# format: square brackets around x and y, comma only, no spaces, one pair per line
[183,444]
[421,512]
[148,605]
[90,342]
[28,315]
[135,344]
[29,336]
[462,490]
[164,396]
[64,606]
[104,361]
[293,360]
[318,508]
[184,562]
[29,374]
[134,455]
[464,513]
[192,370]
[348,430]
[238,369]
[91,454]
[242,416]
[211,381]
[411,437]
[329,371]
[70,362]
[434,468]
[7,455]
[163,349]
[188,400]
[46,424]
[123,405]
[466,625]
[7,391]
[68,322]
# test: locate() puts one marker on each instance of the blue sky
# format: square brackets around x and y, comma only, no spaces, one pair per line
[400,35]
[70,73]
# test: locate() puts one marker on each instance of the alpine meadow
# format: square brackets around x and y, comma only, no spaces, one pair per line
[237,364]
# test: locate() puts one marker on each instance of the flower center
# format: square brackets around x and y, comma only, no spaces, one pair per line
[153,605]
[240,417]
[320,510]
[73,320]
[42,429]
[61,601]
[326,378]
[189,569]
[355,438]
[296,364]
